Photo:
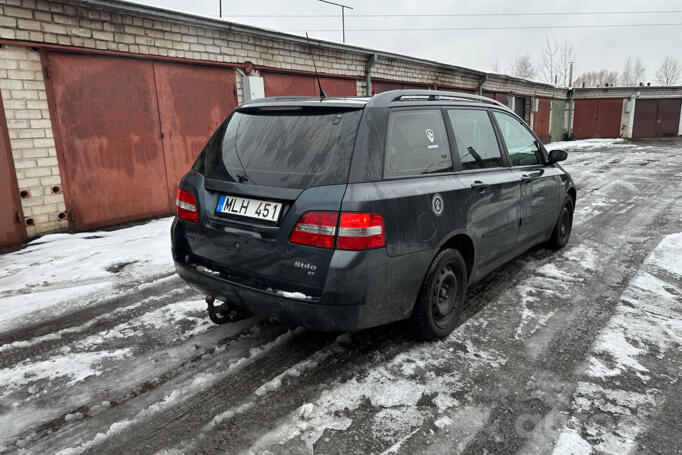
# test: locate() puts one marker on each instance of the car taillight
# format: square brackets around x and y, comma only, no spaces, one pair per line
[187,206]
[361,231]
[315,229]
[357,231]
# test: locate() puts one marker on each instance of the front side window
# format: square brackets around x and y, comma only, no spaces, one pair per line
[417,144]
[475,137]
[521,145]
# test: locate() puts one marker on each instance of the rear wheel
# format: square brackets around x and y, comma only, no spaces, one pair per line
[441,300]
[562,229]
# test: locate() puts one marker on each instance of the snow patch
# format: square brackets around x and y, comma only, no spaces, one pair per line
[571,443]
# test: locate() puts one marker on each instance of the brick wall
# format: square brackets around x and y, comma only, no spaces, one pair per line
[30,132]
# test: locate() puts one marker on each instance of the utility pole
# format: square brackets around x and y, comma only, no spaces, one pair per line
[343,16]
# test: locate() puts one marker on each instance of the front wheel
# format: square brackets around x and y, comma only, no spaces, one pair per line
[562,229]
[440,303]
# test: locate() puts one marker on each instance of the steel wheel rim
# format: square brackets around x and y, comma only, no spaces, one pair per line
[565,226]
[444,297]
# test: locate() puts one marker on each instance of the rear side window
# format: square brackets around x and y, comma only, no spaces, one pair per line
[475,138]
[296,148]
[417,144]
[521,145]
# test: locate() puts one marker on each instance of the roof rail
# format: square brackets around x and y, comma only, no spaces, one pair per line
[432,95]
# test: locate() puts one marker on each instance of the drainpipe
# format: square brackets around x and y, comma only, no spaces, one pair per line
[570,113]
[371,61]
[481,81]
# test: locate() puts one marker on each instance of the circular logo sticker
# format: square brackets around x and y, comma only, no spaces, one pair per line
[437,204]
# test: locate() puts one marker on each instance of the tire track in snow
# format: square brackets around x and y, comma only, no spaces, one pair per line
[147,392]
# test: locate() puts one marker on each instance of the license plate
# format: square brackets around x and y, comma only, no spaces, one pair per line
[251,208]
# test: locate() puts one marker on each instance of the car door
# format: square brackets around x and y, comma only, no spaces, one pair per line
[539,184]
[491,205]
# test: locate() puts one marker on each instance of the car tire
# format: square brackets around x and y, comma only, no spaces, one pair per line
[440,304]
[562,229]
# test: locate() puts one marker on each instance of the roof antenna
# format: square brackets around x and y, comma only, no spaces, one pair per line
[319,84]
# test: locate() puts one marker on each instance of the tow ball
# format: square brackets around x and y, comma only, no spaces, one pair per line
[225,312]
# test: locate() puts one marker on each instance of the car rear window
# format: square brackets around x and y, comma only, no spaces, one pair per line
[417,144]
[294,148]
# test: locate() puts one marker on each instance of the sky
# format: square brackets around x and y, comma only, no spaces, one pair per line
[595,48]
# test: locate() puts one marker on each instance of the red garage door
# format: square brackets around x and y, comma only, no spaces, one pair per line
[597,118]
[656,117]
[385,86]
[193,102]
[110,135]
[541,119]
[128,129]
[501,97]
[283,84]
[12,228]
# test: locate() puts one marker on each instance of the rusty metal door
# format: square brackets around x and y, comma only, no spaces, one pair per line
[645,118]
[541,119]
[286,84]
[597,118]
[193,101]
[656,117]
[12,229]
[668,117]
[585,118]
[107,121]
[608,117]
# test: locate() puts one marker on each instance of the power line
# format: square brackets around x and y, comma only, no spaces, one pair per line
[482,28]
[558,13]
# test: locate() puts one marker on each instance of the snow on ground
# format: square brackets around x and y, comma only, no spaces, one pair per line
[648,320]
[153,374]
[59,273]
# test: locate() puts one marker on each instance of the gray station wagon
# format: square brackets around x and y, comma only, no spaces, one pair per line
[344,213]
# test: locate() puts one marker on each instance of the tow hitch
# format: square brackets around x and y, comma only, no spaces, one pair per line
[225,312]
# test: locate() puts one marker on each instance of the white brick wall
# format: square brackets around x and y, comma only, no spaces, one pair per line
[30,132]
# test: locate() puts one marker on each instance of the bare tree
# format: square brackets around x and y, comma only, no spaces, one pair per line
[633,73]
[523,67]
[669,72]
[496,66]
[596,79]
[565,58]
[548,61]
[639,71]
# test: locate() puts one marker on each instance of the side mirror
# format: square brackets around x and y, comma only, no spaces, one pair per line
[556,155]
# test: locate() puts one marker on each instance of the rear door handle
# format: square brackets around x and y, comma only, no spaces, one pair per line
[480,185]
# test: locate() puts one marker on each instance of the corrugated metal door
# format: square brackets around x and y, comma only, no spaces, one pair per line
[107,119]
[597,118]
[193,101]
[12,229]
[645,118]
[541,119]
[558,119]
[283,84]
[609,117]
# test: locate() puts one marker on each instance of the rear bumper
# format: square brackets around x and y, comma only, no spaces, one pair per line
[317,315]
